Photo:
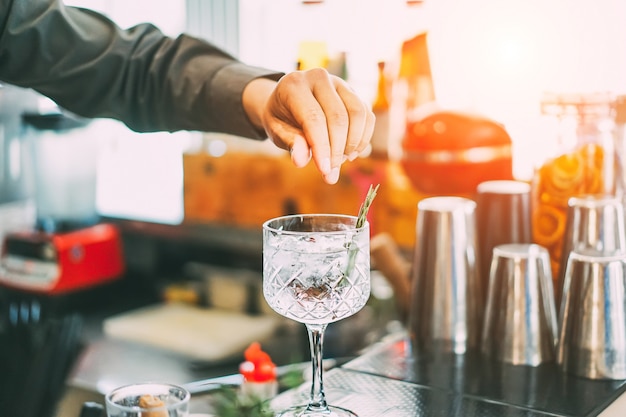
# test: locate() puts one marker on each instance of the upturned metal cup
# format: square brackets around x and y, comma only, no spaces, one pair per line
[592,335]
[520,323]
[593,222]
[445,314]
[503,215]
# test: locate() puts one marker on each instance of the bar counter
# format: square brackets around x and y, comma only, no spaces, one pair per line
[389,380]
[384,379]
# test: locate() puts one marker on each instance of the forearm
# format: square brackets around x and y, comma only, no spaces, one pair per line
[151,82]
[255,97]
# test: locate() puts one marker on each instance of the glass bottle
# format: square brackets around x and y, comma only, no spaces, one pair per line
[380,108]
[620,146]
[582,164]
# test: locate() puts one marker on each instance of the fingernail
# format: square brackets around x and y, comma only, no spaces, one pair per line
[325,166]
[352,156]
[333,176]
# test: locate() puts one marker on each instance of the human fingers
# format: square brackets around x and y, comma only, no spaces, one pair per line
[294,109]
[368,132]
[361,120]
[300,152]
[283,130]
[321,109]
[336,116]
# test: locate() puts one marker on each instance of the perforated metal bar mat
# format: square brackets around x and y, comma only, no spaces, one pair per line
[543,389]
[376,396]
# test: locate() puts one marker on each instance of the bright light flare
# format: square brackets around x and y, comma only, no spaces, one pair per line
[499,57]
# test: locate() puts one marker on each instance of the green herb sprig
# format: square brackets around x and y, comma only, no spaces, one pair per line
[365,206]
[353,248]
[228,401]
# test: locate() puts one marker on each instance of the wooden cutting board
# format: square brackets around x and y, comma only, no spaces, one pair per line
[199,333]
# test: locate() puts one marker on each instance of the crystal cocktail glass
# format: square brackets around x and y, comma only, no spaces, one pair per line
[316,270]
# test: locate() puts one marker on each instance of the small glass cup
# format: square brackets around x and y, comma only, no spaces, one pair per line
[148,400]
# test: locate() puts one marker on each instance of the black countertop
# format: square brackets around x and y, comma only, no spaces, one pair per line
[388,379]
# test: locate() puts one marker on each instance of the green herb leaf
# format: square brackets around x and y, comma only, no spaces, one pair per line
[228,402]
[353,249]
[365,207]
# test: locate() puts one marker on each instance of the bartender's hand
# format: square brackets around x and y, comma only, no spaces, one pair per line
[312,114]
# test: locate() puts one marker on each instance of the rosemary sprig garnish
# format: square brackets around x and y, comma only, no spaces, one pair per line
[369,198]
[353,248]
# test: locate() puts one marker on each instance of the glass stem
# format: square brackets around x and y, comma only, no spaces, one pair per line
[317,401]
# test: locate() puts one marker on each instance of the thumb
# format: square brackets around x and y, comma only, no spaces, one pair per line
[300,151]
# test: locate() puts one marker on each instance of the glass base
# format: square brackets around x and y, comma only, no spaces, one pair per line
[302,411]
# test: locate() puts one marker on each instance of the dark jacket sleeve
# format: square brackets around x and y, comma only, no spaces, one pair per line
[93,68]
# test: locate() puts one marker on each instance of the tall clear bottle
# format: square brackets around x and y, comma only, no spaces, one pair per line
[583,163]
[381,108]
[620,146]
